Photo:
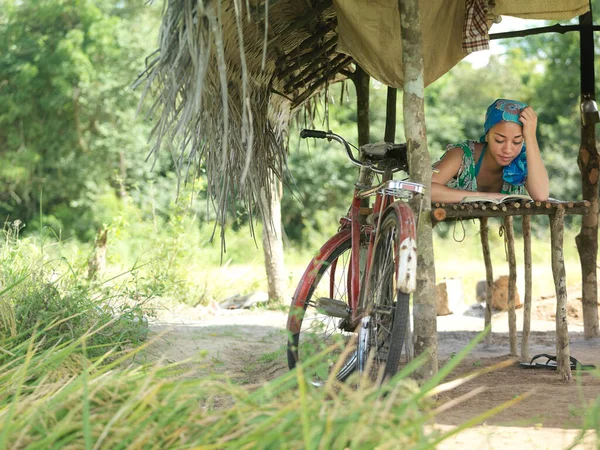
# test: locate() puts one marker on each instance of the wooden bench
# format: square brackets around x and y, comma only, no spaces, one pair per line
[556,211]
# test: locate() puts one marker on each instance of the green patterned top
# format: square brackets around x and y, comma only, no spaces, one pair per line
[466,178]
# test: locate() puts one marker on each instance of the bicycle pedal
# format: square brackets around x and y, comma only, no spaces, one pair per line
[333,307]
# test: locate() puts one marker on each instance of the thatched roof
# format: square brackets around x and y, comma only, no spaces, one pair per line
[228,74]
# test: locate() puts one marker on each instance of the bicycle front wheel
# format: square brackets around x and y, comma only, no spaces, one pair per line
[314,321]
[385,305]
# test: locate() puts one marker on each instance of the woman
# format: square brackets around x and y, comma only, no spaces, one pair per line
[499,163]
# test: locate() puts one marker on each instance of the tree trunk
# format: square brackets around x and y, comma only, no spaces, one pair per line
[419,162]
[589,166]
[97,260]
[273,242]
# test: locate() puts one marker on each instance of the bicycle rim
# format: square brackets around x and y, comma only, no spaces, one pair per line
[318,330]
[387,308]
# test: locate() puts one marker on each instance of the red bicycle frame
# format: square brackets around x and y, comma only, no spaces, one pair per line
[352,228]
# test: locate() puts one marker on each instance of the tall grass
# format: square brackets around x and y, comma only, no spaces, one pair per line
[40,290]
[56,398]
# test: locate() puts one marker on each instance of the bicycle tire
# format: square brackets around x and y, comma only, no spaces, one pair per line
[387,307]
[304,310]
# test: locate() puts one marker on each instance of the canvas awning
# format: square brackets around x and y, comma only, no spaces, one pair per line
[369,31]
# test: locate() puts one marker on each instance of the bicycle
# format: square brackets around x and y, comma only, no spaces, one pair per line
[359,284]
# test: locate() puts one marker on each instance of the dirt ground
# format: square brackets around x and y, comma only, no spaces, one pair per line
[250,346]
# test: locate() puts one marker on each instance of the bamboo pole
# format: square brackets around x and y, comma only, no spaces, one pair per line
[509,239]
[489,276]
[419,161]
[527,299]
[558,271]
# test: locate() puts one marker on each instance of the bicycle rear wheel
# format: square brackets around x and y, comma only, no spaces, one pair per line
[314,321]
[386,307]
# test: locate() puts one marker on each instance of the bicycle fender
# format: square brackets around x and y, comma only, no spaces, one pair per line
[406,252]
[313,269]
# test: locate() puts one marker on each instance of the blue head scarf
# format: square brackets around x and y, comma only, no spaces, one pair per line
[508,111]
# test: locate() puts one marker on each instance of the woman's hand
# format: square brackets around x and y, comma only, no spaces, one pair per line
[528,118]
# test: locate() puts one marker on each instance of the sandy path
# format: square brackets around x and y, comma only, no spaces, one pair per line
[250,346]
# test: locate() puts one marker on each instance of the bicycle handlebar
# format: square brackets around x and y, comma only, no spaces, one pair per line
[313,134]
[317,134]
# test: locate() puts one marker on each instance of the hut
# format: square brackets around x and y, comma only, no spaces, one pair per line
[229,75]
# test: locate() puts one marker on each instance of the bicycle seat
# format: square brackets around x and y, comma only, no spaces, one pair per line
[386,152]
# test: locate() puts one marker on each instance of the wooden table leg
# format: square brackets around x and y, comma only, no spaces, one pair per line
[509,237]
[527,300]
[560,285]
[489,276]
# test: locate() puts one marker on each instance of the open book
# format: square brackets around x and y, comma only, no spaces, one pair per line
[507,198]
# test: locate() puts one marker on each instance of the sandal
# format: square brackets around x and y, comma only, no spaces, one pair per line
[551,363]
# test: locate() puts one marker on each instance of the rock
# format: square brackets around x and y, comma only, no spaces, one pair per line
[239,301]
[449,295]
[500,294]
[480,291]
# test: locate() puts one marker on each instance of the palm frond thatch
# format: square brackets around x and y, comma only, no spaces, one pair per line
[226,78]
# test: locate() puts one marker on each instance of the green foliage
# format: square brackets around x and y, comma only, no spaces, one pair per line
[35,294]
[67,111]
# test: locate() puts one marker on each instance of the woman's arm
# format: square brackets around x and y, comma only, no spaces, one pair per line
[447,168]
[538,183]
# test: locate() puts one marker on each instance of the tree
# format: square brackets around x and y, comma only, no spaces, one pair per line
[68,131]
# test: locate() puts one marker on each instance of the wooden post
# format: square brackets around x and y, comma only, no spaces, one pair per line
[588,161]
[361,83]
[489,276]
[509,239]
[419,161]
[390,115]
[560,285]
[527,299]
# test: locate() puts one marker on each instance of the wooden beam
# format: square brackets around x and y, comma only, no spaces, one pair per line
[527,299]
[560,285]
[558,28]
[489,276]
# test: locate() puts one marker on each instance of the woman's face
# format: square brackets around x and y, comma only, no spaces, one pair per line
[505,140]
